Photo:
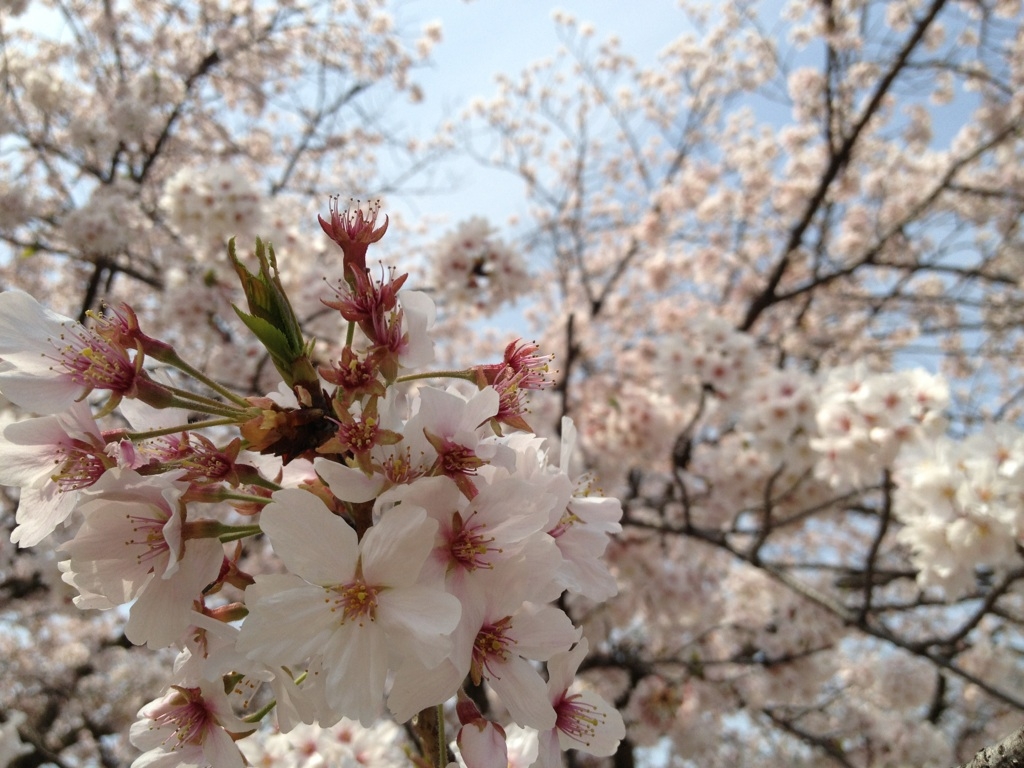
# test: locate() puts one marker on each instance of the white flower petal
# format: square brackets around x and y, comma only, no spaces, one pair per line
[420,620]
[394,550]
[318,546]
[523,693]
[416,687]
[278,603]
[348,483]
[610,730]
[356,669]
[562,667]
[542,632]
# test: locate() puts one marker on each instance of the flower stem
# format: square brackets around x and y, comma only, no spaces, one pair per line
[265,710]
[239,532]
[138,436]
[202,403]
[259,714]
[262,482]
[442,744]
[181,365]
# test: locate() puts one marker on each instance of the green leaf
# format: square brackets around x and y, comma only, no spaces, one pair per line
[271,317]
[271,338]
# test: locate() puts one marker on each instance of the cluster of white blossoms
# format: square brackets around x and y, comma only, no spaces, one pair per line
[708,353]
[893,695]
[632,421]
[769,447]
[421,536]
[16,203]
[472,266]
[779,407]
[216,202]
[959,502]
[866,418]
[345,745]
[106,223]
[962,506]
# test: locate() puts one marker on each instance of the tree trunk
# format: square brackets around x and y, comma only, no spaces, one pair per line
[1009,753]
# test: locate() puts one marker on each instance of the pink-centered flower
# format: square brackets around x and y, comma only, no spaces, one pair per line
[495,641]
[47,361]
[355,374]
[521,369]
[582,531]
[512,407]
[500,652]
[397,329]
[444,417]
[447,428]
[354,231]
[352,608]
[366,299]
[359,434]
[475,537]
[530,370]
[210,652]
[390,462]
[50,458]
[584,721]
[133,545]
[401,338]
[202,461]
[189,727]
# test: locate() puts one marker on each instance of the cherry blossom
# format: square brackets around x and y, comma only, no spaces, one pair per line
[188,727]
[475,267]
[134,545]
[475,536]
[584,720]
[354,231]
[776,258]
[30,451]
[49,361]
[359,603]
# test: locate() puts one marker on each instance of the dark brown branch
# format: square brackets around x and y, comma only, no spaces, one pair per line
[212,59]
[826,745]
[876,543]
[837,161]
[986,606]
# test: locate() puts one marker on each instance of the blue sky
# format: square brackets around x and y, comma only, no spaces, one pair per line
[485,37]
